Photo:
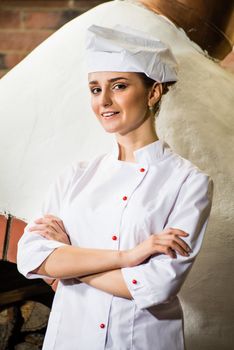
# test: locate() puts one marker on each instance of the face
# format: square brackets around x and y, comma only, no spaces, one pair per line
[119,100]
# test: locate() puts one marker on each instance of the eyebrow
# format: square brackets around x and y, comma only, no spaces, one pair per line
[110,80]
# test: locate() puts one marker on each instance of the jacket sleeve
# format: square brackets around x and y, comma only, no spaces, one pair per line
[160,278]
[33,249]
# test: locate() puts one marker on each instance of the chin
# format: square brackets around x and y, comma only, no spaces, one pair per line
[110,131]
[110,128]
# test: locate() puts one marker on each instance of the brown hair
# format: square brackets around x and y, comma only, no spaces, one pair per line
[148,82]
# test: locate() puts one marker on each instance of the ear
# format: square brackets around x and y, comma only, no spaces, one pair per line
[155,94]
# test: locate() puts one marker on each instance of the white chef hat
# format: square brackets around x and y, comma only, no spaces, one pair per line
[124,49]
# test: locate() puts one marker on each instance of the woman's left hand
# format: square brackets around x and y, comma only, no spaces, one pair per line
[51,227]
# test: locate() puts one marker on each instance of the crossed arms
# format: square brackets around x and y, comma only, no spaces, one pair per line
[101,268]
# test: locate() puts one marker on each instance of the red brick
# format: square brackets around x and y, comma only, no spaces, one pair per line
[55,4]
[12,59]
[22,41]
[3,225]
[16,230]
[34,4]
[42,20]
[9,19]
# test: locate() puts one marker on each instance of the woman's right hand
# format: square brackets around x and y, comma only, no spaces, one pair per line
[166,242]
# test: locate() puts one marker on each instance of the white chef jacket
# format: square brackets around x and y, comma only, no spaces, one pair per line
[107,203]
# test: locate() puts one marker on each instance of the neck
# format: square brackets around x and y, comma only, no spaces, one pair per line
[127,146]
[136,138]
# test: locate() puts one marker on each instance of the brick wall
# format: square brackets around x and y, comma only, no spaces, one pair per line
[24,24]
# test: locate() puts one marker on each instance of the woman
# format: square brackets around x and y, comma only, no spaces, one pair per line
[121,232]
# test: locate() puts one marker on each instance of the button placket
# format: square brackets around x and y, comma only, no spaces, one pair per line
[125,198]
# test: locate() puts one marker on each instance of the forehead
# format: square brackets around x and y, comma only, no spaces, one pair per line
[108,76]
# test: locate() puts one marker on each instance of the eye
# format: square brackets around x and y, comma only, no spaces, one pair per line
[95,90]
[120,86]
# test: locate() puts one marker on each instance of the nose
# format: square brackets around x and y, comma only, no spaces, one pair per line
[105,98]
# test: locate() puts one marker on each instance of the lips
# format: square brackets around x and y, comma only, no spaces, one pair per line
[109,114]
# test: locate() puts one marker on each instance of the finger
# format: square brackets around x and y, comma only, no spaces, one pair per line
[51,231]
[179,232]
[172,253]
[44,220]
[56,237]
[183,244]
[175,238]
[43,227]
[56,234]
[175,246]
[48,235]
[55,284]
[57,219]
[61,225]
[55,225]
[40,227]
[52,223]
[167,251]
[60,233]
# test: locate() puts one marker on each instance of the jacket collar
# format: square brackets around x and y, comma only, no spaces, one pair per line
[151,153]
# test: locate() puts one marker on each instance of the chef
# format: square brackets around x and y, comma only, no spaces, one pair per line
[122,230]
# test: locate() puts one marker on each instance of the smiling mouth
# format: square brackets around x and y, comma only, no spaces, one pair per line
[109,114]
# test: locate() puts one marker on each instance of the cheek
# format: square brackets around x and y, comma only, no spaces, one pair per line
[128,101]
[134,102]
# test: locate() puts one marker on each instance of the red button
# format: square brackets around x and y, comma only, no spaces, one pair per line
[102,325]
[125,198]
[142,169]
[134,281]
[114,238]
